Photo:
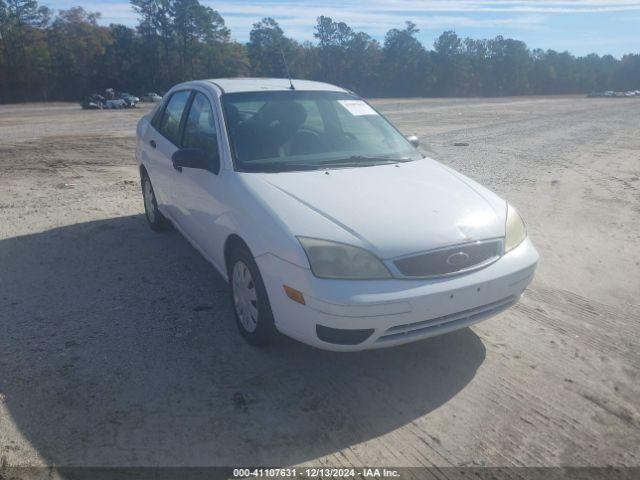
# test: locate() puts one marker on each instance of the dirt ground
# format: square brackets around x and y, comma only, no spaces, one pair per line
[117,345]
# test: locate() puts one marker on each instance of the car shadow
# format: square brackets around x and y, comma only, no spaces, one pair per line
[118,348]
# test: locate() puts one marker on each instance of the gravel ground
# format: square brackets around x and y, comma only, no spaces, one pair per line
[118,347]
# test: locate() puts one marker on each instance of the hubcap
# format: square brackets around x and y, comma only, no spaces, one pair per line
[244,296]
[147,193]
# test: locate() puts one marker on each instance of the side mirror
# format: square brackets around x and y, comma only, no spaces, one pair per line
[196,158]
[413,140]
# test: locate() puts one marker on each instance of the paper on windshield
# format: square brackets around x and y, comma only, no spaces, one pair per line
[357,107]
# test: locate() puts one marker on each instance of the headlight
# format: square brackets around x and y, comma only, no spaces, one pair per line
[338,260]
[515,228]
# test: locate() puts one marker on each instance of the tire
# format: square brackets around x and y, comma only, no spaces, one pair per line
[157,221]
[252,311]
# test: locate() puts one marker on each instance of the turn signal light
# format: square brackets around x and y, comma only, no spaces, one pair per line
[294,294]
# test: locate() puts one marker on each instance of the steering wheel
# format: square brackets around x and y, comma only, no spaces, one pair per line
[305,140]
[308,130]
[348,135]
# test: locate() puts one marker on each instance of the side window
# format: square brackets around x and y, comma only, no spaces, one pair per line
[157,115]
[170,123]
[200,128]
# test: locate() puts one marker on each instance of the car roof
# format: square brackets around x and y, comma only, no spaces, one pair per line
[247,84]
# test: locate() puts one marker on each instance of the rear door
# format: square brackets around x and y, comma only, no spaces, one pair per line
[163,140]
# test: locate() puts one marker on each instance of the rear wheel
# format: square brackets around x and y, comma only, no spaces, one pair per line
[250,301]
[157,221]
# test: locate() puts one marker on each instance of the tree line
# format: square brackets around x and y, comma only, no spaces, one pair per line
[67,55]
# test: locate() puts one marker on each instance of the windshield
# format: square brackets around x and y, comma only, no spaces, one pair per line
[298,130]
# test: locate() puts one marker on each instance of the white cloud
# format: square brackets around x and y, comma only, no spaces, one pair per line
[431,6]
[297,18]
[301,27]
[541,6]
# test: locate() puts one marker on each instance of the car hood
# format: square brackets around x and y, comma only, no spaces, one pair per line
[392,210]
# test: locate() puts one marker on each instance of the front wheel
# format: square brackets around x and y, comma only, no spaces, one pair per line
[157,221]
[250,301]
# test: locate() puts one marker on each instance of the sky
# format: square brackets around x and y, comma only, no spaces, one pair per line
[578,26]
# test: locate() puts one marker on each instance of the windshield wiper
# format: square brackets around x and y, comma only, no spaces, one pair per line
[280,167]
[352,161]
[360,159]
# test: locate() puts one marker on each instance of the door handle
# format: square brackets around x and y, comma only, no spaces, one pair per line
[152,143]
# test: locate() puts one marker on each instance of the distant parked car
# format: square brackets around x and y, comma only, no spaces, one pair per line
[116,103]
[92,102]
[131,100]
[151,97]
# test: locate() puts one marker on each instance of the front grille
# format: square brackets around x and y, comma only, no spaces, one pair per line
[447,323]
[450,260]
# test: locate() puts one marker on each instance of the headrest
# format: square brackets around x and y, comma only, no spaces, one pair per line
[233,115]
[287,113]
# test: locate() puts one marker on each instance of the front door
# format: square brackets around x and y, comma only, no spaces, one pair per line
[161,143]
[200,198]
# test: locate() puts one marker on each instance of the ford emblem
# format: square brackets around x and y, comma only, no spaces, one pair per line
[457,259]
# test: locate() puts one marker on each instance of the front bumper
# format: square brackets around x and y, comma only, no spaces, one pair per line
[349,315]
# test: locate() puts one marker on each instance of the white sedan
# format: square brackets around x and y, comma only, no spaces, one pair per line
[327,222]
